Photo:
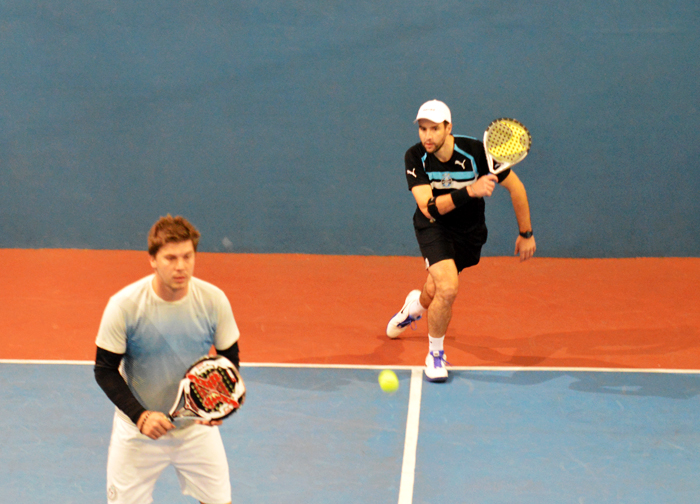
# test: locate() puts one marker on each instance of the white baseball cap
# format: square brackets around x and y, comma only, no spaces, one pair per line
[434,110]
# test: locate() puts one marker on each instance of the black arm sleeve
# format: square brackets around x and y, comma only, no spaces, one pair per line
[231,353]
[111,381]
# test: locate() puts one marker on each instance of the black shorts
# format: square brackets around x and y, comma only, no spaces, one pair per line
[438,243]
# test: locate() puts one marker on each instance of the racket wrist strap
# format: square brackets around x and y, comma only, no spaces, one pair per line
[460,196]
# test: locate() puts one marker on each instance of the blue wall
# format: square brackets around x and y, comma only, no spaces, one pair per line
[280,126]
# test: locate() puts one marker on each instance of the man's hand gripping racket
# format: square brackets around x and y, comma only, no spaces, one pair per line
[211,390]
[506,142]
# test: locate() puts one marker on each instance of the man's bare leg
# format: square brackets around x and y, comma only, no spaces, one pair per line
[440,291]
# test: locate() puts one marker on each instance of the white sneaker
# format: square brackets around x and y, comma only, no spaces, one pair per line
[402,320]
[435,370]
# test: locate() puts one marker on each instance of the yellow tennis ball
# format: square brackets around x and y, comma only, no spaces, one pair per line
[388,381]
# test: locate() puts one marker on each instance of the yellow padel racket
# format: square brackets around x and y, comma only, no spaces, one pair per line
[506,142]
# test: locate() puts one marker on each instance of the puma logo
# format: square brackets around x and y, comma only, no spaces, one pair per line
[462,164]
[412,172]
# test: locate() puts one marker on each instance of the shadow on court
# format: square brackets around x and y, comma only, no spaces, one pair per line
[662,384]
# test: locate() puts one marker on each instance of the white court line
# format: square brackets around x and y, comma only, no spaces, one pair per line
[393,366]
[408,468]
[36,361]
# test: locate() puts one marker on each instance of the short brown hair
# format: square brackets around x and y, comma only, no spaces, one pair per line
[171,229]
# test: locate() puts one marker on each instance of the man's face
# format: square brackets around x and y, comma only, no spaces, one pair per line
[173,265]
[433,135]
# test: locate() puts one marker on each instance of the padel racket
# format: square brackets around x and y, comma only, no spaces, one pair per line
[506,142]
[212,389]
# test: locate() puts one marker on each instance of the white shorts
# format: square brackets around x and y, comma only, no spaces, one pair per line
[136,461]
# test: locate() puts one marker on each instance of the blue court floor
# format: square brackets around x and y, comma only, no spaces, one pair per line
[330,435]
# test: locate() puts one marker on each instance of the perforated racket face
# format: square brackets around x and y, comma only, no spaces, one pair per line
[213,392]
[507,140]
[213,389]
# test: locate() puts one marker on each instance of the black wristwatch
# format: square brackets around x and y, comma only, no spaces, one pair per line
[526,234]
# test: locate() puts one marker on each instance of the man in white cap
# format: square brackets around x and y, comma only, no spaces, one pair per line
[449,177]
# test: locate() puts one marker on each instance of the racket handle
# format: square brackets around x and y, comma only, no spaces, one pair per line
[500,168]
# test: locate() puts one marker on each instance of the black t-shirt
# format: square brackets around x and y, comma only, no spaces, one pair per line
[468,163]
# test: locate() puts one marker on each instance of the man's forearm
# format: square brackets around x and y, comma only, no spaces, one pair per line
[112,383]
[522,210]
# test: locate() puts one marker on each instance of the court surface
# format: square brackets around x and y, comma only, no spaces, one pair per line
[320,435]
[573,381]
